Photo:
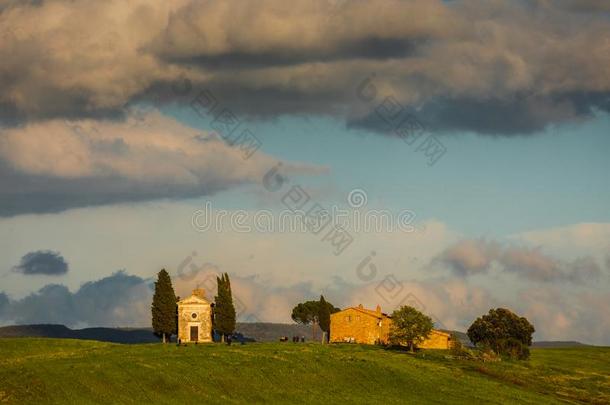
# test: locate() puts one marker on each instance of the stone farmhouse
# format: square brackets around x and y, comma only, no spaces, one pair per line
[361,325]
[195,318]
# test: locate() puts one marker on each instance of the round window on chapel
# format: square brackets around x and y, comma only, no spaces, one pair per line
[194,315]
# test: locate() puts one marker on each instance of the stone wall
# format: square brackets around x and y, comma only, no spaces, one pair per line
[352,325]
[436,340]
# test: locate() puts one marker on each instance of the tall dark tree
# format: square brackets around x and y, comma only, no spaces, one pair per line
[504,332]
[224,310]
[231,314]
[164,307]
[177,301]
[324,317]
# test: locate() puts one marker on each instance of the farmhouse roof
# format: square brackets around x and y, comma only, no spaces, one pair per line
[440,332]
[376,313]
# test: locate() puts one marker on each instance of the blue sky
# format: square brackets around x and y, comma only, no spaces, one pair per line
[105,165]
[490,186]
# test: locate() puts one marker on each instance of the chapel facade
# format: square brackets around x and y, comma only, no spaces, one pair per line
[195,318]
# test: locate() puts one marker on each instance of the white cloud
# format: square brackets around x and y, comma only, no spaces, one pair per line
[147,156]
[469,257]
[584,238]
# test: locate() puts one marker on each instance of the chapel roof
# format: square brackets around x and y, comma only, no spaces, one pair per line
[197,297]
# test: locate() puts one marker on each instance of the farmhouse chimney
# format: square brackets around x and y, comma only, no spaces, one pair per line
[378,309]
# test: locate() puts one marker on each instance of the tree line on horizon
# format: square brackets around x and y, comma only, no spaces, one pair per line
[500,330]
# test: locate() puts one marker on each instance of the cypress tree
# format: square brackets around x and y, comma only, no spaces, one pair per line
[231,315]
[218,316]
[224,310]
[324,317]
[164,306]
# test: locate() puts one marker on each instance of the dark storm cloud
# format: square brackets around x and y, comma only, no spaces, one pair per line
[117,300]
[501,68]
[51,304]
[493,116]
[368,48]
[21,193]
[531,114]
[42,262]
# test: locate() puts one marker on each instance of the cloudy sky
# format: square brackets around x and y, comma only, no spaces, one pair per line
[139,135]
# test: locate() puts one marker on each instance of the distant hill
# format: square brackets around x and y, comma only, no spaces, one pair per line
[463,337]
[557,344]
[272,332]
[114,335]
[260,332]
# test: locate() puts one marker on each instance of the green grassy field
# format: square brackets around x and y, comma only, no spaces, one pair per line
[76,371]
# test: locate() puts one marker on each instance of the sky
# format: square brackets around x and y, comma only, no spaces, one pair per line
[458,151]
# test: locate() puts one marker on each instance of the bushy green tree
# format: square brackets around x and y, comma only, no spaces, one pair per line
[308,312]
[224,310]
[305,312]
[164,307]
[504,332]
[409,327]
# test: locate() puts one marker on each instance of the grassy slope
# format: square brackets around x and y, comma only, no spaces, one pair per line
[51,371]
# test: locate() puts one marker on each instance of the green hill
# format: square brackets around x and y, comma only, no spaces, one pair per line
[73,371]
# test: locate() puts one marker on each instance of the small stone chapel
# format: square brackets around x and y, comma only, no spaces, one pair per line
[195,318]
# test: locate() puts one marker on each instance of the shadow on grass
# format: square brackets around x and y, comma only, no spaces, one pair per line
[401,349]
